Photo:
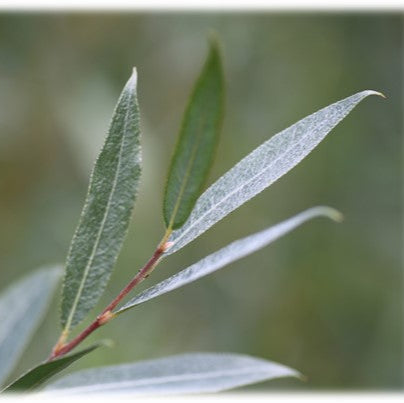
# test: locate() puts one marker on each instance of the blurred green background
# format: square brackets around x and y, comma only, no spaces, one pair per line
[326,299]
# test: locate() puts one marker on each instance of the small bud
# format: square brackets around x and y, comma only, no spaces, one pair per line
[105,317]
[166,246]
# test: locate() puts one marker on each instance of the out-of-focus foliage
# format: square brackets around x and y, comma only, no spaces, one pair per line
[22,307]
[327,300]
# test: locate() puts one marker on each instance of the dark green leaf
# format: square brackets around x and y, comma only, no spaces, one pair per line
[41,373]
[22,307]
[196,144]
[106,213]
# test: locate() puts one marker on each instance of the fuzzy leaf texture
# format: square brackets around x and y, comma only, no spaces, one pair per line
[107,211]
[38,375]
[232,252]
[22,307]
[261,168]
[182,374]
[197,141]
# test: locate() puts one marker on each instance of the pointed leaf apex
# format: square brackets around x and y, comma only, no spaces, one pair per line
[213,39]
[329,212]
[133,79]
[372,92]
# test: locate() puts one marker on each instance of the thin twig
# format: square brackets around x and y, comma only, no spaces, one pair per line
[62,348]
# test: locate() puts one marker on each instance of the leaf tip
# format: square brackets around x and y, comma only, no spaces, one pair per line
[381,95]
[214,46]
[213,37]
[133,78]
[372,92]
[329,212]
[302,377]
[335,215]
[107,343]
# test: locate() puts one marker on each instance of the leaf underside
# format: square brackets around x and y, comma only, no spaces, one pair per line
[107,211]
[38,375]
[22,307]
[230,253]
[197,141]
[181,374]
[261,168]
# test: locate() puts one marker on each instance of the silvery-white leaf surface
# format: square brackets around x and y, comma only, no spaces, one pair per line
[22,307]
[181,374]
[261,168]
[232,252]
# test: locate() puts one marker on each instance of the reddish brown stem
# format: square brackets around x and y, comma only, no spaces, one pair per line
[61,349]
[140,276]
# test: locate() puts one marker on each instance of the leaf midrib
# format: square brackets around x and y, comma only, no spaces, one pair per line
[101,229]
[165,379]
[186,178]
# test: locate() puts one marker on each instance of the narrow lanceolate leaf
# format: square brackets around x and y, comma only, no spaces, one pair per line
[22,307]
[196,144]
[182,374]
[38,375]
[261,168]
[235,251]
[106,213]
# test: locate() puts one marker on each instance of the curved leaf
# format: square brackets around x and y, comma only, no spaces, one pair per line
[261,168]
[106,213]
[22,307]
[230,253]
[38,375]
[181,374]
[196,144]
